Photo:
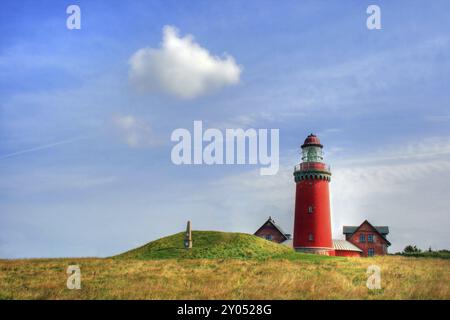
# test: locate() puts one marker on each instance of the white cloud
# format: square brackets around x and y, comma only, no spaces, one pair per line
[181,67]
[134,132]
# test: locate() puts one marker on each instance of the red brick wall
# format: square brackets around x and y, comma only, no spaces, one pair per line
[379,245]
[347,253]
[269,229]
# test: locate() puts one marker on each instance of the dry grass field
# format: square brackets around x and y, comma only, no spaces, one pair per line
[401,278]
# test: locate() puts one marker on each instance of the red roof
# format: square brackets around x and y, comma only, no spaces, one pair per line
[312,140]
[277,227]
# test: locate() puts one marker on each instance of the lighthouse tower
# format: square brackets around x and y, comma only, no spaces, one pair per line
[312,225]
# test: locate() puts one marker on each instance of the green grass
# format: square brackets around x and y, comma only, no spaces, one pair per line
[442,254]
[216,245]
[224,266]
[253,279]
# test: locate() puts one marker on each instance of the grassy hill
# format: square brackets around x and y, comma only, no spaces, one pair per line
[214,245]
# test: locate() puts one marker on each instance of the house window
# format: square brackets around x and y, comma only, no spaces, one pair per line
[310,237]
[310,209]
[268,237]
[370,238]
[371,252]
[362,238]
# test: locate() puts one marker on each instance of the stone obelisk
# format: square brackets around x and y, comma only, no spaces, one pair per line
[188,236]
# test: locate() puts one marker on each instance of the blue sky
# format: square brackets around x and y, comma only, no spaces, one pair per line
[75,180]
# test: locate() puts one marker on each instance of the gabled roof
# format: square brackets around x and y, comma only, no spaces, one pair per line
[384,230]
[272,222]
[345,245]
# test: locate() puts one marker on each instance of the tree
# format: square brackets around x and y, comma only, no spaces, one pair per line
[411,249]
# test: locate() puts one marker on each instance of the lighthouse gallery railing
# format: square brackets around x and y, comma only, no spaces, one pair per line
[313,166]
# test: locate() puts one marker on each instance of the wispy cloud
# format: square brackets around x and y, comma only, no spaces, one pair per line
[438,118]
[40,148]
[422,150]
[53,180]
[135,132]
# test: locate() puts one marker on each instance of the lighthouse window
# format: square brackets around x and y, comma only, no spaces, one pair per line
[310,237]
[310,209]
[362,238]
[312,154]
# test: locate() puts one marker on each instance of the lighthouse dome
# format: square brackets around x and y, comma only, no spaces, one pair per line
[312,140]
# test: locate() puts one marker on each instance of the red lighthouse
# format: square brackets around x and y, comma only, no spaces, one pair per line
[312,225]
